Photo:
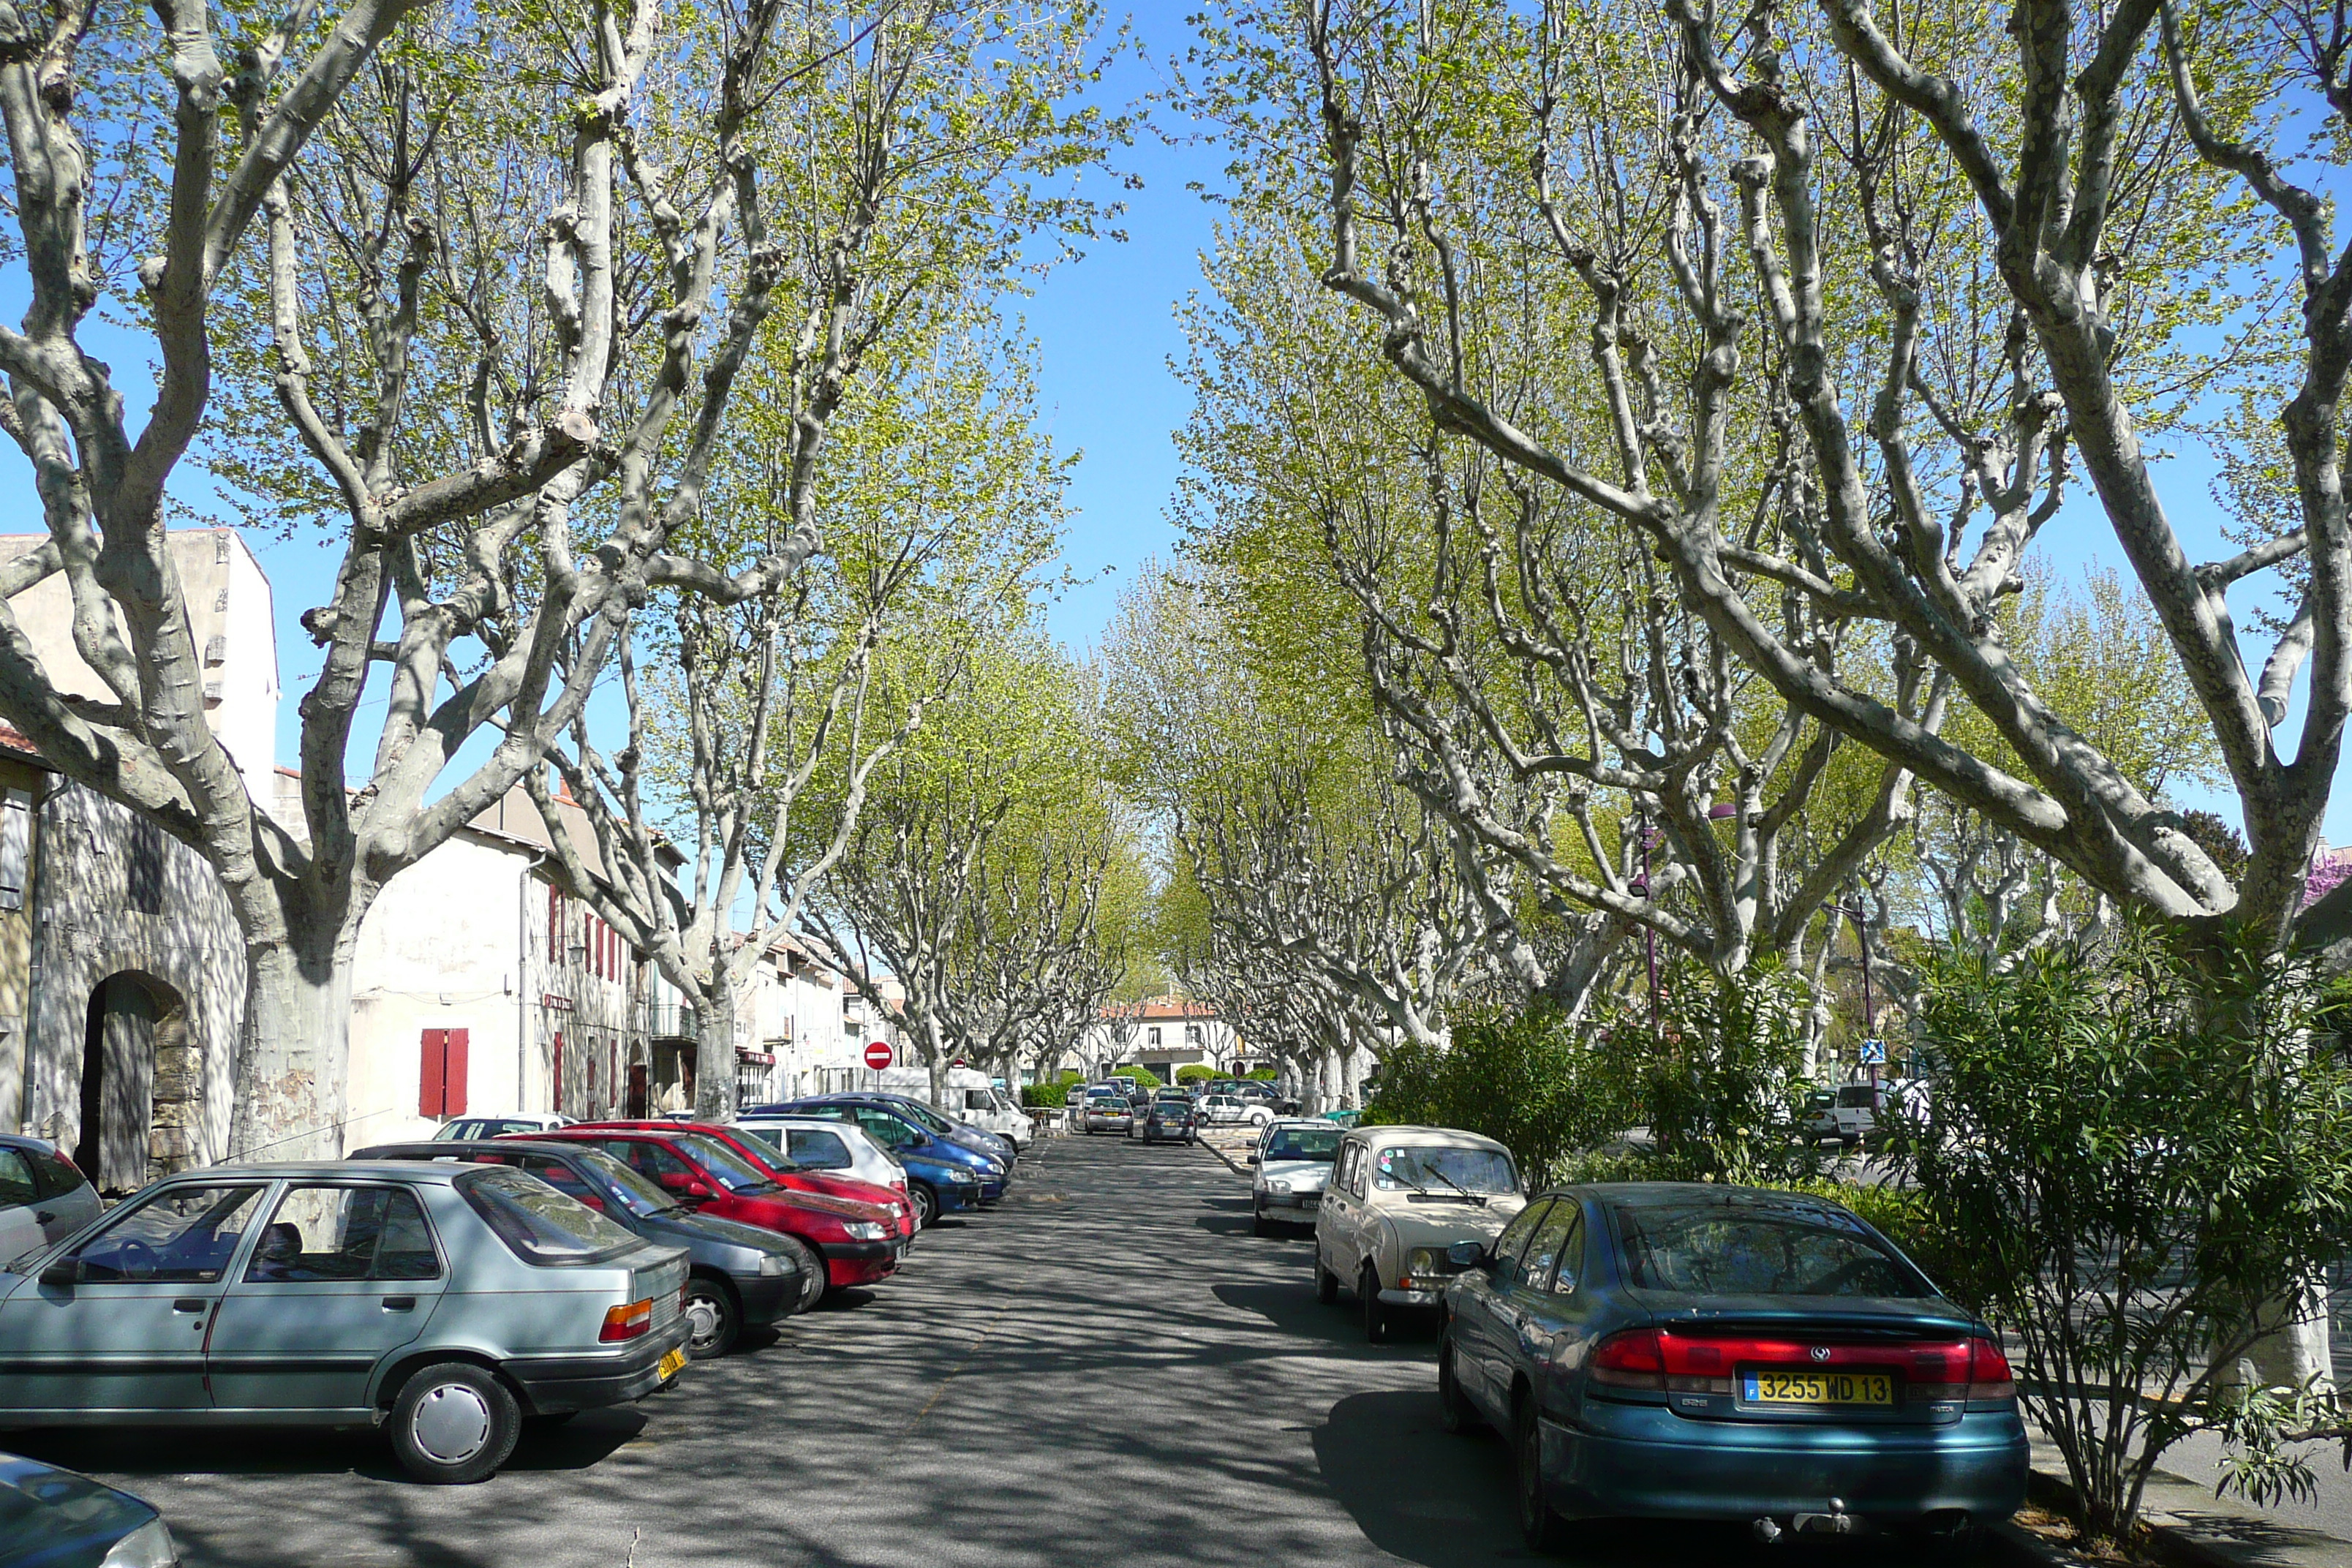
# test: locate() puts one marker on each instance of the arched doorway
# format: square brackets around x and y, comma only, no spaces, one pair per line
[141,1084]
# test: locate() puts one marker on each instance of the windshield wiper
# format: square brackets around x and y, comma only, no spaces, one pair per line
[1457,1186]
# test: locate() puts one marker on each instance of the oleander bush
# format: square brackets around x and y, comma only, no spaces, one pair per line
[1194,1072]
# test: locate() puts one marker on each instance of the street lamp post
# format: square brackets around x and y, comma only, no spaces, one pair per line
[1862,938]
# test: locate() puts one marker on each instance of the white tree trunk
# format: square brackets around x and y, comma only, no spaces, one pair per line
[293,1054]
[714,1054]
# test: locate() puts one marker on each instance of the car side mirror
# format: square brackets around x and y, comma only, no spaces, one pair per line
[62,1275]
[1467,1254]
[1250,1159]
[697,1189]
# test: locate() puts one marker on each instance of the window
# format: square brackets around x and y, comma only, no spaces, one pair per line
[342,1234]
[1192,1033]
[1758,1248]
[16,1186]
[56,1175]
[1514,1240]
[181,1236]
[887,1130]
[15,847]
[1544,1246]
[1155,1033]
[1571,1257]
[441,1073]
[145,867]
[819,1151]
[727,1167]
[1434,1168]
[650,1161]
[539,1223]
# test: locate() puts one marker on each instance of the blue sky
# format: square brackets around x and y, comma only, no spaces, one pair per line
[1107,331]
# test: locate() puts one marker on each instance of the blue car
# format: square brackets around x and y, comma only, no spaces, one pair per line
[942,1177]
[1677,1349]
[964,1136]
[51,1518]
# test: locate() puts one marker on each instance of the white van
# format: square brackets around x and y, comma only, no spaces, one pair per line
[970,1100]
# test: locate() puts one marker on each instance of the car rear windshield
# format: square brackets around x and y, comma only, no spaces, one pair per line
[1304,1143]
[1796,1249]
[733,1171]
[1857,1097]
[539,1223]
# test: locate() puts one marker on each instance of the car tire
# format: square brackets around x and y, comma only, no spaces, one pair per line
[1326,1284]
[454,1423]
[1454,1411]
[1538,1523]
[1376,1316]
[811,1271]
[1259,1223]
[714,1319]
[926,1205]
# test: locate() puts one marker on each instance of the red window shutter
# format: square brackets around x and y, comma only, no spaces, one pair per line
[453,1072]
[558,1106]
[431,1072]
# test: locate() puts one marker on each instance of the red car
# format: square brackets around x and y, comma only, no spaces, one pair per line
[856,1239]
[786,1174]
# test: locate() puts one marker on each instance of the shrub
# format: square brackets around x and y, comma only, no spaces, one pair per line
[1144,1076]
[1519,1078]
[1046,1096]
[1194,1072]
[1718,1082]
[1267,1074]
[2133,1163]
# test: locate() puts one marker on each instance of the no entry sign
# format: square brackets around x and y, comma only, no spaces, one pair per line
[877,1055]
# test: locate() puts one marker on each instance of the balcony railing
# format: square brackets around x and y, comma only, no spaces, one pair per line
[669,1021]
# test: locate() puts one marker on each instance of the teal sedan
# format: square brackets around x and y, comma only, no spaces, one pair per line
[1672,1350]
[442,1303]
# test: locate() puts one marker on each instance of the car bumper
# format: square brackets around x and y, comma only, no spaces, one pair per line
[1644,1461]
[766,1297]
[860,1262]
[1290,1200]
[992,1191]
[956,1200]
[1392,1298]
[554,1384]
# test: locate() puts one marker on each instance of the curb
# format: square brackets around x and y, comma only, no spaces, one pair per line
[1220,1153]
[2161,1539]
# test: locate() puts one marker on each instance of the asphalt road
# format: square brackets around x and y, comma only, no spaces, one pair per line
[1108,1369]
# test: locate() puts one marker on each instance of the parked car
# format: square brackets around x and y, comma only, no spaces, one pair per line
[51,1518]
[1108,1114]
[956,1176]
[964,1136]
[1728,1353]
[709,1177]
[443,1302]
[815,1144]
[738,1276]
[785,1173]
[42,1197]
[1294,1160]
[499,1124]
[1228,1110]
[1267,1095]
[1398,1198]
[1847,1114]
[1170,1121]
[972,1099]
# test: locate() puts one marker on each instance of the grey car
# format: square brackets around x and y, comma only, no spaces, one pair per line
[443,1303]
[1107,1114]
[43,1198]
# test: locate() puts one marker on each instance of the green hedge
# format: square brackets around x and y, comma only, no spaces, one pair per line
[1143,1076]
[1265,1074]
[1195,1073]
[1046,1096]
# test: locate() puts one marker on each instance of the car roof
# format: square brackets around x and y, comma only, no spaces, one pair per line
[1656,1194]
[324,1170]
[445,1146]
[1444,1137]
[26,1141]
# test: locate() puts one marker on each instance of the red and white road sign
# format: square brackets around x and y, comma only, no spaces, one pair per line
[877,1055]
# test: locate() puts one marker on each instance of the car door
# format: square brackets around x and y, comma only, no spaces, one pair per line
[1335,1221]
[1526,1322]
[1559,1313]
[127,1333]
[342,1275]
[1473,1306]
[68,1201]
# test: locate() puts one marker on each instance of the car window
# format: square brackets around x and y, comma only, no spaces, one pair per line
[16,1185]
[650,1160]
[887,1130]
[322,1233]
[1435,1168]
[1514,1240]
[1571,1257]
[1857,1097]
[638,1195]
[1535,1265]
[819,1151]
[180,1235]
[539,1223]
[56,1175]
[1796,1249]
[1303,1143]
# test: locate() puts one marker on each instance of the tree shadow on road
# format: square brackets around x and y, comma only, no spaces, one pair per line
[587,1440]
[1294,1310]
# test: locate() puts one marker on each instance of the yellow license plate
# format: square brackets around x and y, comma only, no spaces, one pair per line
[1817,1388]
[673,1363]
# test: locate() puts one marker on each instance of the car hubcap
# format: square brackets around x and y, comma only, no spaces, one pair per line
[925,1209]
[452,1424]
[702,1314]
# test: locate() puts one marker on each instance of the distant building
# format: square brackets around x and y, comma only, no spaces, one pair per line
[1159,1033]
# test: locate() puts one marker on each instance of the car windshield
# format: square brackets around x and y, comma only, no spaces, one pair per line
[637,1194]
[1856,1097]
[921,1115]
[539,1223]
[1445,1172]
[1793,1248]
[1820,1100]
[733,1171]
[1304,1143]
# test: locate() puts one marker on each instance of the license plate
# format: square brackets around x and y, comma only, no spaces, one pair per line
[672,1364]
[1817,1388]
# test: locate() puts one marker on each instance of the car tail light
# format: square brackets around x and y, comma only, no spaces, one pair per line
[629,1321]
[1989,1378]
[1628,1360]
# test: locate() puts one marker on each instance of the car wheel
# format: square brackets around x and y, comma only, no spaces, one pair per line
[1326,1284]
[927,1206]
[1453,1408]
[1258,1223]
[1538,1523]
[1376,1316]
[454,1423]
[811,1271]
[712,1318]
